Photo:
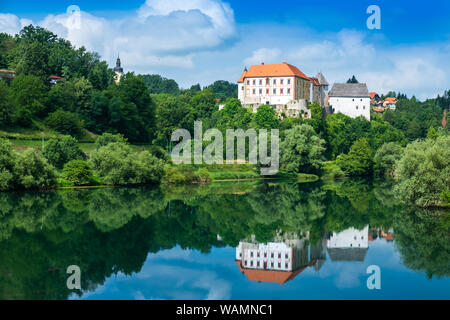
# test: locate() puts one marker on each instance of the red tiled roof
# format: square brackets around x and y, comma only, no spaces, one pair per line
[372,94]
[314,81]
[378,110]
[55,77]
[391,100]
[272,70]
[7,71]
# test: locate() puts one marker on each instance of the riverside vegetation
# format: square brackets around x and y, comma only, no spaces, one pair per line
[411,144]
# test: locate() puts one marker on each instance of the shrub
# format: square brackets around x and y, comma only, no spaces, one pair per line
[386,158]
[424,172]
[78,171]
[59,152]
[32,171]
[203,175]
[302,150]
[358,162]
[173,175]
[7,161]
[117,164]
[64,122]
[106,138]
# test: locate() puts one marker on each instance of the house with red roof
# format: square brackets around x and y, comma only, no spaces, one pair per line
[281,85]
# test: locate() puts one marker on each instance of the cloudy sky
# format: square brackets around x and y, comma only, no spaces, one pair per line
[200,41]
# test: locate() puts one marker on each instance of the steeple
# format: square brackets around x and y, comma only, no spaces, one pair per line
[118,67]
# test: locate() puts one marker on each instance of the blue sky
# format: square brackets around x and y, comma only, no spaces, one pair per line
[199,41]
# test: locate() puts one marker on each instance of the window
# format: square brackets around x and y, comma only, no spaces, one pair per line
[254,82]
[274,81]
[289,91]
[279,264]
[254,91]
[289,81]
[364,107]
[265,254]
[271,264]
[281,81]
[356,107]
[286,265]
[248,82]
[353,99]
[274,91]
[271,255]
[281,91]
[251,254]
[260,82]
[257,254]
[251,263]
[267,81]
[279,255]
[286,255]
[267,91]
[257,264]
[360,100]
[246,263]
[242,88]
[260,91]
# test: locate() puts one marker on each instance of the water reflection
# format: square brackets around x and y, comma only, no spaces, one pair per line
[115,231]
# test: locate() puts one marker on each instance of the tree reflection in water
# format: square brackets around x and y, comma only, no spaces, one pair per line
[106,231]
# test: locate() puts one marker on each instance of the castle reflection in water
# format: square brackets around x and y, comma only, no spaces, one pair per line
[288,255]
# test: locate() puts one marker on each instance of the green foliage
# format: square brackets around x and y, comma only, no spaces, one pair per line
[7,162]
[352,80]
[232,116]
[424,172]
[59,152]
[265,118]
[64,122]
[27,92]
[117,164]
[34,172]
[107,138]
[157,84]
[302,150]
[78,171]
[342,131]
[316,120]
[6,108]
[358,162]
[387,157]
[432,133]
[223,89]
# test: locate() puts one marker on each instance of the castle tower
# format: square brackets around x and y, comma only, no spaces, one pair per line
[118,70]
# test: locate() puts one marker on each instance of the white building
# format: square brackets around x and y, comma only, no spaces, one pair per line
[351,99]
[349,245]
[281,85]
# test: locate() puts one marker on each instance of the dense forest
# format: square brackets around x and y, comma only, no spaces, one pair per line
[148,108]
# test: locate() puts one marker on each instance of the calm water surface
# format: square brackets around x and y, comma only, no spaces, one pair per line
[248,240]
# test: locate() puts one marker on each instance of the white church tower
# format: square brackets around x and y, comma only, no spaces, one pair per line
[118,70]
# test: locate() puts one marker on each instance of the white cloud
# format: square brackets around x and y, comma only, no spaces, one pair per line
[198,41]
[11,24]
[159,33]
[415,69]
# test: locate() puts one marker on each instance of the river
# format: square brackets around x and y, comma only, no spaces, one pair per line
[234,240]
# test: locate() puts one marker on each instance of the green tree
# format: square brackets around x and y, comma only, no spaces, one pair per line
[223,89]
[107,138]
[358,162]
[424,172]
[64,122]
[265,118]
[117,164]
[34,172]
[352,80]
[59,152]
[302,150]
[7,162]
[386,158]
[78,171]
[28,92]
